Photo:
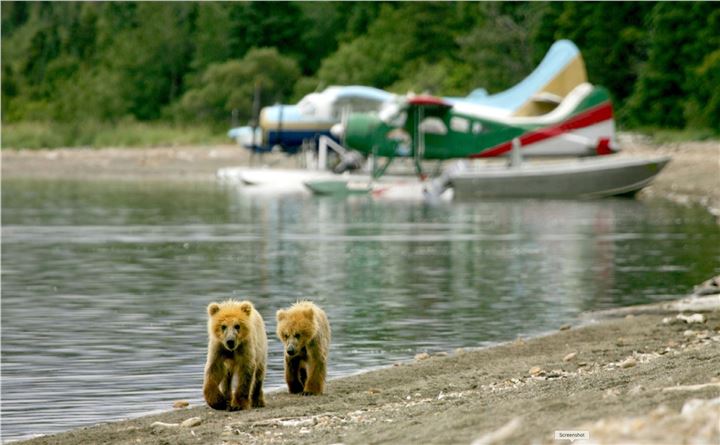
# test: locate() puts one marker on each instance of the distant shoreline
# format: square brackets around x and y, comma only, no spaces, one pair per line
[692,177]
[622,375]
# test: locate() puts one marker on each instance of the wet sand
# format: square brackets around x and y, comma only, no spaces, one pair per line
[630,375]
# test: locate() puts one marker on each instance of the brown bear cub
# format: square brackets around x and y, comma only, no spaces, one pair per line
[237,353]
[305,332]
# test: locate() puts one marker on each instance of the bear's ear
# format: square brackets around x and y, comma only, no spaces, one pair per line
[309,313]
[213,308]
[280,315]
[246,307]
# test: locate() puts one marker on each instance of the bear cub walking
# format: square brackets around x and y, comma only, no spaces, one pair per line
[237,354]
[305,331]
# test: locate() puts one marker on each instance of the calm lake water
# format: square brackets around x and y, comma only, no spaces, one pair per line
[105,285]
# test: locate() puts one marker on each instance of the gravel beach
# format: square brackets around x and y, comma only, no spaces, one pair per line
[647,374]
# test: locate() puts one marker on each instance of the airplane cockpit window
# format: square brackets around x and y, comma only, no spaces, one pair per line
[433,125]
[459,124]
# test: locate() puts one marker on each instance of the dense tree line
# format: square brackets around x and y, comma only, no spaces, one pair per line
[197,62]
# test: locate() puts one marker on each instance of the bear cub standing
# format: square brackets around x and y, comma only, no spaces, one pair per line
[305,332]
[237,354]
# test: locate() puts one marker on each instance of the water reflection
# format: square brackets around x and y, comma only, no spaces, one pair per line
[105,285]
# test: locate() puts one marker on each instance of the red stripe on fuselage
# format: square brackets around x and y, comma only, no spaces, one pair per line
[600,113]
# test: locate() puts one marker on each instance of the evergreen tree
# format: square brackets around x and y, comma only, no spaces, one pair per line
[678,38]
[212,37]
[107,61]
[229,87]
[610,35]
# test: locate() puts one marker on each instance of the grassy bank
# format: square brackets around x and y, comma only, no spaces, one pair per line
[130,133]
[37,135]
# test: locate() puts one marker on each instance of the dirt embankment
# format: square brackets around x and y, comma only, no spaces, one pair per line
[692,177]
[635,375]
[177,163]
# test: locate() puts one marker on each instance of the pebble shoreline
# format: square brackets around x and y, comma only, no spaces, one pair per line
[647,374]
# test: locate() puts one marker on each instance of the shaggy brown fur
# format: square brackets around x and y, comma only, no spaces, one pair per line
[237,354]
[305,331]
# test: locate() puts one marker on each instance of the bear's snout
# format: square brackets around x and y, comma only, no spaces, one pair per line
[291,350]
[230,344]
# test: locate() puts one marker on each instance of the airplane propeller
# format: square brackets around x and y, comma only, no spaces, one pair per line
[349,159]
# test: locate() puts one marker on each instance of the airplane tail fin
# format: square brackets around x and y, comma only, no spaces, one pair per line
[558,74]
[561,70]
[582,124]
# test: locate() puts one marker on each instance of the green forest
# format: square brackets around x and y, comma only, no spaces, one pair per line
[95,73]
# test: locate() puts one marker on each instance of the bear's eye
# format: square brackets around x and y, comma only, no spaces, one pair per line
[223,327]
[297,336]
[237,327]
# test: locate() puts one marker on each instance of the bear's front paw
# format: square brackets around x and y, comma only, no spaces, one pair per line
[218,404]
[215,400]
[308,393]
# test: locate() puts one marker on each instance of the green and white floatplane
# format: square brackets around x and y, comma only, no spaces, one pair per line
[554,112]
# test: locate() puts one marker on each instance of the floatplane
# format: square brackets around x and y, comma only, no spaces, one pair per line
[554,112]
[303,129]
